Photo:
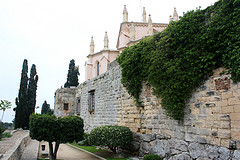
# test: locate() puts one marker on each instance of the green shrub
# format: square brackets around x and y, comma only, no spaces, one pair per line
[7,135]
[1,132]
[111,136]
[85,141]
[152,157]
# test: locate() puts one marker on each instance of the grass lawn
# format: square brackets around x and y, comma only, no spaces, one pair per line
[46,159]
[117,158]
[93,149]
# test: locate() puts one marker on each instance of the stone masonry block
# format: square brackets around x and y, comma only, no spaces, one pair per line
[236,93]
[235,116]
[238,144]
[228,109]
[224,143]
[233,101]
[215,98]
[131,120]
[235,134]
[224,117]
[224,133]
[216,110]
[204,132]
[225,125]
[209,104]
[222,103]
[226,95]
[236,108]
[235,124]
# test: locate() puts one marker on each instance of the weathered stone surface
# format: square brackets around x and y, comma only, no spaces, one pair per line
[210,93]
[212,151]
[133,147]
[202,158]
[144,148]
[194,138]
[214,133]
[148,137]
[236,155]
[183,156]
[163,137]
[224,153]
[196,150]
[136,136]
[161,148]
[179,145]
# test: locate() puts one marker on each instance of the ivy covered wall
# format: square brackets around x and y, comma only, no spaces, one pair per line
[178,60]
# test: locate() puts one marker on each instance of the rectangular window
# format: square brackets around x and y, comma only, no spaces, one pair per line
[91,101]
[98,69]
[65,106]
[78,105]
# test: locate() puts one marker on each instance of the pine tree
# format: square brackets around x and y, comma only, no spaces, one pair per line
[32,89]
[73,73]
[21,100]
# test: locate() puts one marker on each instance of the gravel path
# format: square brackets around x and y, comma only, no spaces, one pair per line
[65,152]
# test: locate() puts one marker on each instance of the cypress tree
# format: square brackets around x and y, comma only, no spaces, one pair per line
[26,100]
[21,100]
[32,89]
[45,108]
[73,73]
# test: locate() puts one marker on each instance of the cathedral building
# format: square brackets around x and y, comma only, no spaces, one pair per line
[210,124]
[130,33]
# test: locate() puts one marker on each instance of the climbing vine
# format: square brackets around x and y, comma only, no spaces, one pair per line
[178,60]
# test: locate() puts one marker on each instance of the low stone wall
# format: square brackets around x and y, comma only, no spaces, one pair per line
[15,153]
[175,149]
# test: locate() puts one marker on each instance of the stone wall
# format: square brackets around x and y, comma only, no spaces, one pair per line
[212,115]
[15,153]
[177,149]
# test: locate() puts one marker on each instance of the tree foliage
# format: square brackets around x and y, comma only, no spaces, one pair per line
[26,100]
[1,131]
[52,129]
[4,104]
[73,73]
[32,92]
[21,101]
[111,136]
[178,60]
[46,108]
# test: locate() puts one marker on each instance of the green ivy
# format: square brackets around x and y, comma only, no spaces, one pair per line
[178,60]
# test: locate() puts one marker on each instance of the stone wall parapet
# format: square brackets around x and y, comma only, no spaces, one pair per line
[15,153]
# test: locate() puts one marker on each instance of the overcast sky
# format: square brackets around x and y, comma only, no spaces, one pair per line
[49,33]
